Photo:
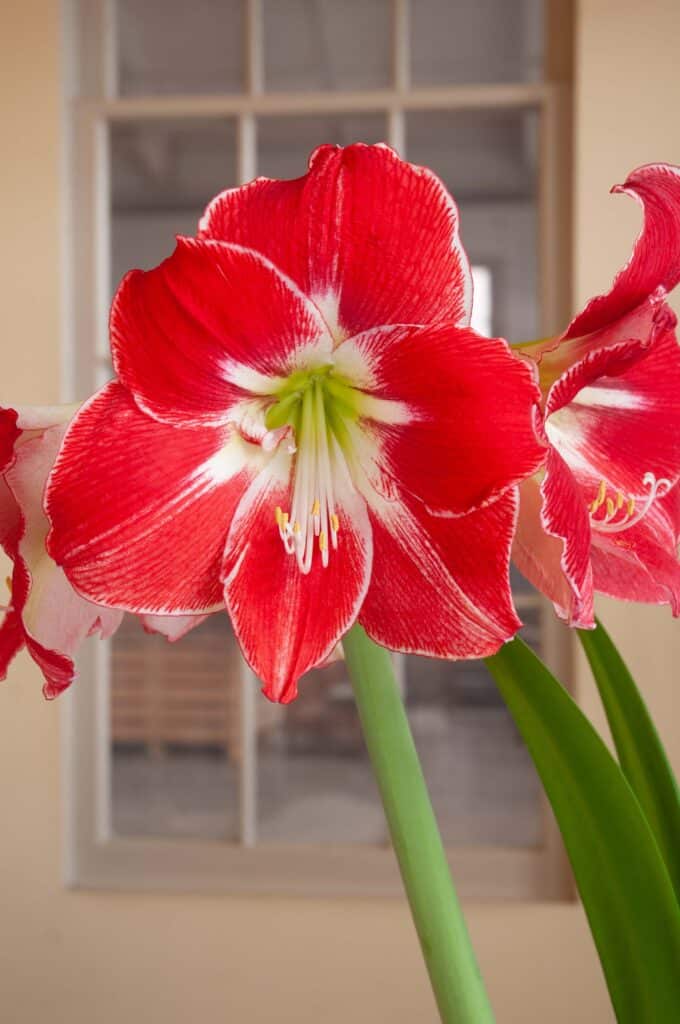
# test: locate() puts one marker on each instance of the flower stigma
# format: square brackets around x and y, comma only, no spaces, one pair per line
[614,514]
[317,404]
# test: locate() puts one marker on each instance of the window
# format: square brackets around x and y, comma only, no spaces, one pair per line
[181,773]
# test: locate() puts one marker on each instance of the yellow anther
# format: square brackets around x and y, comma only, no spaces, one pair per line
[8,583]
[323,543]
[296,526]
[631,507]
[619,499]
[335,523]
[593,506]
[610,507]
[601,495]
[284,521]
[278,515]
[316,507]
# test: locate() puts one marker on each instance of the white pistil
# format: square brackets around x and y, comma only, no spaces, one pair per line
[313,519]
[620,513]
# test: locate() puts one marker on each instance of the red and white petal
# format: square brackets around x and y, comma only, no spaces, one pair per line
[655,261]
[372,239]
[54,618]
[172,627]
[141,510]
[9,434]
[441,587]
[11,640]
[287,621]
[538,555]
[565,516]
[11,524]
[441,404]
[615,416]
[641,563]
[208,327]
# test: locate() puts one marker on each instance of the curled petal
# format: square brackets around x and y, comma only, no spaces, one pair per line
[141,510]
[287,621]
[210,325]
[441,587]
[370,238]
[9,433]
[441,404]
[655,261]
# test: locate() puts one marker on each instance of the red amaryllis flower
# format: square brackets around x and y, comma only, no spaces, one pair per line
[305,427]
[44,613]
[601,516]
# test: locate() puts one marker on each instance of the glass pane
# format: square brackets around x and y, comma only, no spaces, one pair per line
[317,45]
[175,711]
[285,143]
[476,41]
[170,46]
[163,173]
[175,732]
[482,782]
[488,160]
[315,780]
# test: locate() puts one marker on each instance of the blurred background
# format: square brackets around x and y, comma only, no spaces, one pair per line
[177,846]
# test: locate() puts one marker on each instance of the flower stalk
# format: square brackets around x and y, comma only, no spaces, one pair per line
[449,957]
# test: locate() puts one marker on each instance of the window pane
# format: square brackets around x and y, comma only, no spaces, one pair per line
[482,782]
[315,779]
[488,160]
[174,707]
[476,41]
[285,143]
[314,44]
[163,173]
[171,46]
[175,731]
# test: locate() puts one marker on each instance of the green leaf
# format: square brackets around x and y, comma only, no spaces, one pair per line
[624,884]
[638,746]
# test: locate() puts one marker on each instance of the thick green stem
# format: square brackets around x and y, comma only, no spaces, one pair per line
[437,915]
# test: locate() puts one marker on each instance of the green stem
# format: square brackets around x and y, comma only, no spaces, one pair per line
[437,915]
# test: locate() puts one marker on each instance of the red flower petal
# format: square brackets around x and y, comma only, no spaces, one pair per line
[9,432]
[461,397]
[371,239]
[11,640]
[141,510]
[285,621]
[565,516]
[615,415]
[441,586]
[193,336]
[655,261]
[641,563]
[538,555]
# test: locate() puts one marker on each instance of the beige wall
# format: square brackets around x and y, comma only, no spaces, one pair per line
[84,957]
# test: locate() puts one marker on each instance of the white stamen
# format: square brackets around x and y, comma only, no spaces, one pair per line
[620,513]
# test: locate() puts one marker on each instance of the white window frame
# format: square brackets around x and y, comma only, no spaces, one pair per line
[94,857]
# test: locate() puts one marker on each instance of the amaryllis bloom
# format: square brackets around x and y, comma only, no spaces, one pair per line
[305,427]
[43,613]
[604,513]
